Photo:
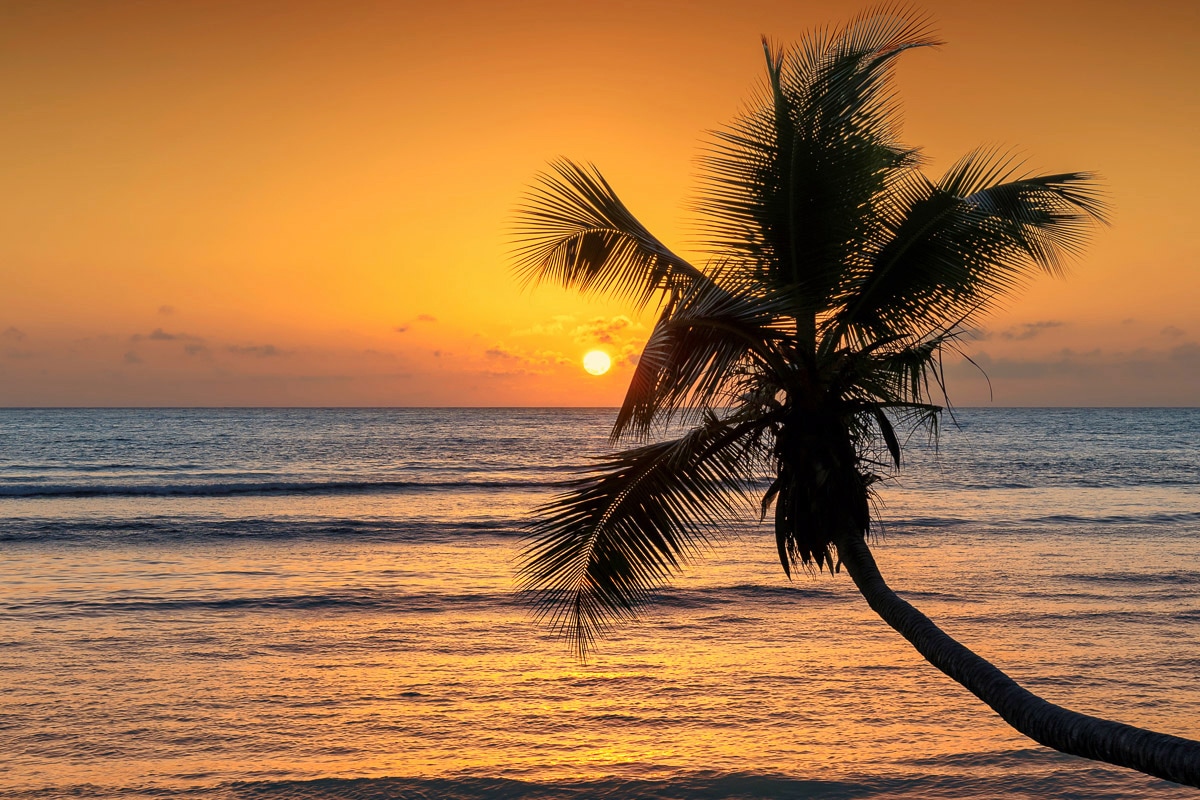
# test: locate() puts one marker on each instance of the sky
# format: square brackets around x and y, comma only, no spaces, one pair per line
[311,203]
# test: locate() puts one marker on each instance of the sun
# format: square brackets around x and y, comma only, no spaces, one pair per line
[596,362]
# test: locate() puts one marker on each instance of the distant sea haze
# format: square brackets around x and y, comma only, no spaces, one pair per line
[320,603]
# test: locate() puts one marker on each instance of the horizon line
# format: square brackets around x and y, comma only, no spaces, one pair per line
[947,409]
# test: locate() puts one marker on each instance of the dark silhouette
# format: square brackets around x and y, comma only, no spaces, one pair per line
[838,276]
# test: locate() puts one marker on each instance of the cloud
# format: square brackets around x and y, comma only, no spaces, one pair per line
[500,351]
[538,362]
[132,358]
[257,350]
[196,349]
[1171,332]
[1030,330]
[159,335]
[629,356]
[1140,376]
[407,326]
[601,330]
[1187,354]
[166,311]
[13,334]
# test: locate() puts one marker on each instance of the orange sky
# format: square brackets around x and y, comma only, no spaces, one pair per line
[244,203]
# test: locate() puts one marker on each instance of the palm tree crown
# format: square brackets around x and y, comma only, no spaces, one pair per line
[837,276]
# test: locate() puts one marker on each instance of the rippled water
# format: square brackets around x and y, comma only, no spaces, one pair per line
[298,603]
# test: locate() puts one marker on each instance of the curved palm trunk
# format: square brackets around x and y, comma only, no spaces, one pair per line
[1170,757]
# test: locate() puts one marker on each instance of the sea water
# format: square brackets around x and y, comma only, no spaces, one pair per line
[319,603]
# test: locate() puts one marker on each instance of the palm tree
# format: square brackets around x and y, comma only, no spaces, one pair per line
[837,276]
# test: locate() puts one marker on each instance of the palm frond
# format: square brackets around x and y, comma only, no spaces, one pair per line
[790,186]
[701,343]
[949,250]
[599,550]
[898,373]
[574,231]
[1049,216]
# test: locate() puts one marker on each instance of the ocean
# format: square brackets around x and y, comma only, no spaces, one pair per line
[295,603]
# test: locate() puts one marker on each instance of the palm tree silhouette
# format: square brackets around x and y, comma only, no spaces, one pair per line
[838,275]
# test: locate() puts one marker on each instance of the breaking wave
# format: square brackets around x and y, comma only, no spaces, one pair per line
[276,487]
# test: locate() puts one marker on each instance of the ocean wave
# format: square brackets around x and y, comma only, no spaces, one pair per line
[1165,578]
[690,787]
[1050,776]
[975,486]
[391,601]
[221,489]
[115,466]
[886,525]
[183,530]
[1124,480]
[342,600]
[708,597]
[1152,518]
[1106,618]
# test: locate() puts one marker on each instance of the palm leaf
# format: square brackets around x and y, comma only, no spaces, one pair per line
[576,232]
[790,186]
[949,250]
[702,342]
[599,550]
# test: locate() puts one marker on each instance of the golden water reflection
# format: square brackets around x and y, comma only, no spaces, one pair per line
[313,658]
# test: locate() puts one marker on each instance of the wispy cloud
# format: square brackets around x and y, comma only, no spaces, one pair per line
[1030,330]
[13,334]
[1091,377]
[257,350]
[536,362]
[160,335]
[1187,354]
[629,355]
[500,352]
[1016,333]
[602,330]
[405,327]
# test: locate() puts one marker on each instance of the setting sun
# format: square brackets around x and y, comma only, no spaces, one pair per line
[596,362]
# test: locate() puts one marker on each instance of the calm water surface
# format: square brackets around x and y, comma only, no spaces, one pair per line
[318,603]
